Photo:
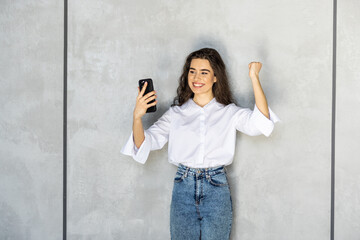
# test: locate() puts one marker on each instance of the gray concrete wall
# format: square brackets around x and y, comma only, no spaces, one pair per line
[347,175]
[280,185]
[31,46]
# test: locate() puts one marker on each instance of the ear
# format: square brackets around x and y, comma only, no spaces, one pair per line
[215,79]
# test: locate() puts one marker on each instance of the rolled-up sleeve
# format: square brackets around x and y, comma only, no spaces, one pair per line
[156,136]
[254,123]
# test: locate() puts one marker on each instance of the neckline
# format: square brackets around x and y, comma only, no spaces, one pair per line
[206,105]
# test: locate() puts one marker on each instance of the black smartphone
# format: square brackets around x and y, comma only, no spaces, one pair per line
[149,88]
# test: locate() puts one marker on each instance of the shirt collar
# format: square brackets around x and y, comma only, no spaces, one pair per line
[192,104]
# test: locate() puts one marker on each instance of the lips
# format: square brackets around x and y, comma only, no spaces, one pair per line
[198,85]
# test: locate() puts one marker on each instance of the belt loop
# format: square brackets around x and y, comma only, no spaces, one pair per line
[186,172]
[225,169]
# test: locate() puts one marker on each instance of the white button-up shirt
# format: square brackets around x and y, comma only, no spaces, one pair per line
[200,137]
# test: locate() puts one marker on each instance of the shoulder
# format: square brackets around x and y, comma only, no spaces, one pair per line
[234,109]
[174,110]
[179,109]
[231,107]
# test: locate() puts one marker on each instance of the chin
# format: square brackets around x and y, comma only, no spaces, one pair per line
[199,92]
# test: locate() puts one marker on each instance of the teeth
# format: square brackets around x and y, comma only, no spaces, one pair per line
[198,85]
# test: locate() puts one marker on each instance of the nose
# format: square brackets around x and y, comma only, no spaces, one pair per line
[197,76]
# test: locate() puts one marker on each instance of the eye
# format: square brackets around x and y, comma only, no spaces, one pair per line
[191,71]
[204,73]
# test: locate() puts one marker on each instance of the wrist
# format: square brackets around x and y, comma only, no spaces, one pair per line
[254,75]
[136,118]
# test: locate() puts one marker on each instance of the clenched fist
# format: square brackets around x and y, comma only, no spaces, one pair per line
[254,68]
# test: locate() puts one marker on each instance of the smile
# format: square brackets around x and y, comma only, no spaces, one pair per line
[198,85]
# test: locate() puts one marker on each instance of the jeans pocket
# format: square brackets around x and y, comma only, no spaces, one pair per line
[218,179]
[179,177]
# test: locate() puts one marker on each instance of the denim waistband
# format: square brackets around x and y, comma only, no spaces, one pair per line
[199,171]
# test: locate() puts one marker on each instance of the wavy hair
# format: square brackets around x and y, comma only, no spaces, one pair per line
[220,88]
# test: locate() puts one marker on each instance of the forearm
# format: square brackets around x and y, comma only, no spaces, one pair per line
[138,132]
[260,98]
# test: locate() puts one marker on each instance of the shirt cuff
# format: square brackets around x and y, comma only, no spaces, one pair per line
[262,123]
[135,149]
[138,154]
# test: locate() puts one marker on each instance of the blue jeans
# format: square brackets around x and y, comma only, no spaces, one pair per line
[201,206]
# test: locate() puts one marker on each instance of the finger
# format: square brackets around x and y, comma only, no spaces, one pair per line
[143,89]
[152,104]
[149,94]
[150,99]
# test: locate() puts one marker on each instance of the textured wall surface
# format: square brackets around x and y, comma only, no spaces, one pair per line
[31,46]
[347,175]
[280,185]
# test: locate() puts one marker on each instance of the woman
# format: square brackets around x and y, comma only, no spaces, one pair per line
[200,127]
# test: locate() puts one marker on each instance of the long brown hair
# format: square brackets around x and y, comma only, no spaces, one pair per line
[220,88]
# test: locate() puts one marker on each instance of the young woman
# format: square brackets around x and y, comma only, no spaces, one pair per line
[200,127]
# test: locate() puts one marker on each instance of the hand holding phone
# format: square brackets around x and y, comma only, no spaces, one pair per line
[146,99]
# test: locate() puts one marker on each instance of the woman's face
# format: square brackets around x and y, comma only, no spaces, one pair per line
[201,76]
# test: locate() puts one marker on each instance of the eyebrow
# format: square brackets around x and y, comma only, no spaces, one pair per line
[201,69]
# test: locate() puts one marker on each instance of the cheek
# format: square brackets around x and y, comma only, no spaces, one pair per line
[209,80]
[189,82]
